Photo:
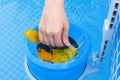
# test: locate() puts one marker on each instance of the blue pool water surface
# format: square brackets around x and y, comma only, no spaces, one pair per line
[16,16]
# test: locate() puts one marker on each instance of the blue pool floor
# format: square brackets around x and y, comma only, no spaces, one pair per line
[20,15]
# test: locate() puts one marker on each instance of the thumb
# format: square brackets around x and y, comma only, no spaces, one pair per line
[65,35]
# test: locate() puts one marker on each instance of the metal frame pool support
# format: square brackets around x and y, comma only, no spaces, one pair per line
[95,61]
[108,28]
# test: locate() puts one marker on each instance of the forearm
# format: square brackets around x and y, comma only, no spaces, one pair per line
[54,4]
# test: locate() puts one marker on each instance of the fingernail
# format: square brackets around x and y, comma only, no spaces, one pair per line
[68,44]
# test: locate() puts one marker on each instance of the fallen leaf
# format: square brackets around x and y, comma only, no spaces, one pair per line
[32,35]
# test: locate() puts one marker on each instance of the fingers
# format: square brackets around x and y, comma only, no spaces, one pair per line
[42,36]
[52,38]
[58,38]
[65,34]
[46,40]
[49,37]
[46,36]
[51,41]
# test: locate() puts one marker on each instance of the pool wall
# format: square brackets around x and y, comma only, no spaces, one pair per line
[115,55]
[16,16]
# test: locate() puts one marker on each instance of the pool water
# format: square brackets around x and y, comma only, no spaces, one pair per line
[16,16]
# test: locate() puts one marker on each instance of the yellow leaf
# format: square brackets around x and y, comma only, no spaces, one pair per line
[58,56]
[61,56]
[32,35]
[45,56]
[71,52]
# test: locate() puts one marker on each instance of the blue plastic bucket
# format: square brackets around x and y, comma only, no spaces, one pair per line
[66,71]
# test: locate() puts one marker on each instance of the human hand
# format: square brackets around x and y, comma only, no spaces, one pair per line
[54,24]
